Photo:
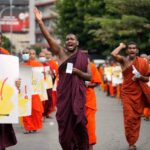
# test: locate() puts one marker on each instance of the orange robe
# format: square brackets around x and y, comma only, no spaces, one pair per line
[34,121]
[4,51]
[147,112]
[133,100]
[54,67]
[101,73]
[118,91]
[147,109]
[91,105]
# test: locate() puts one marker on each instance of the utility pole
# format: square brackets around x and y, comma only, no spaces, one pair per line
[32,22]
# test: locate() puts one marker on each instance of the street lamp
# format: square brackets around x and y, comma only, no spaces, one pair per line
[11,27]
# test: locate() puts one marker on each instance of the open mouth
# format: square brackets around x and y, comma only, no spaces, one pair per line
[132,53]
[70,46]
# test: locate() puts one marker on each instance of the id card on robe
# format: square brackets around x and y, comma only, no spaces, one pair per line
[69,68]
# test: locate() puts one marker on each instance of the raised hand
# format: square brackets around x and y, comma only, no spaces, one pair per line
[122,45]
[38,14]
[18,83]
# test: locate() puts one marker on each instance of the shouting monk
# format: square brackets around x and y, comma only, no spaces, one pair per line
[73,70]
[135,73]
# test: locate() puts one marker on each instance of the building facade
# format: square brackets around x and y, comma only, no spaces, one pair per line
[14,22]
[48,9]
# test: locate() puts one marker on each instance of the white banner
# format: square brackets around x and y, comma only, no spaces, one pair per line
[41,81]
[9,73]
[25,91]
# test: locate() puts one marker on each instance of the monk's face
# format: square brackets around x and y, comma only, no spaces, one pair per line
[25,55]
[71,43]
[42,57]
[132,50]
[42,54]
[32,55]
[48,55]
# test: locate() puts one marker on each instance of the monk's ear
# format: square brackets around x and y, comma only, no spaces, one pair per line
[77,43]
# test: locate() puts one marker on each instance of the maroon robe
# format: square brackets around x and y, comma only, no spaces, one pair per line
[48,104]
[71,105]
[7,136]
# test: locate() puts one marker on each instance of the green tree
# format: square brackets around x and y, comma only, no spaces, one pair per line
[6,43]
[125,20]
[103,24]
[73,19]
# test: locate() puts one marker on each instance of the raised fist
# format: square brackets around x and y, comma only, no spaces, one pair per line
[122,45]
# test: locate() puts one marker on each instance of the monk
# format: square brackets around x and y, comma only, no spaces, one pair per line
[47,104]
[33,122]
[71,95]
[24,56]
[101,72]
[7,134]
[91,104]
[135,73]
[54,67]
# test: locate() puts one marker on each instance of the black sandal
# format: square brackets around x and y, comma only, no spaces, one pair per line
[28,132]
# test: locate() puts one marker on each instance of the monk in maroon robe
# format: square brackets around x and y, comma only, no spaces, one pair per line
[70,91]
[71,105]
[134,90]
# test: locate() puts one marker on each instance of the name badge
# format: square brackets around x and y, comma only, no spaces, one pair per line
[69,68]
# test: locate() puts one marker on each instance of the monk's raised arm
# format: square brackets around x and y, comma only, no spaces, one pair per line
[115,53]
[56,48]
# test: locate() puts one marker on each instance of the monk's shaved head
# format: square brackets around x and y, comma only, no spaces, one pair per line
[25,51]
[32,54]
[42,54]
[143,56]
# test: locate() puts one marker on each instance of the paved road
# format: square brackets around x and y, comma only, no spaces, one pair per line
[110,131]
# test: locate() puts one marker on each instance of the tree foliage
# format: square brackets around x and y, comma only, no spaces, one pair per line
[6,43]
[103,24]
